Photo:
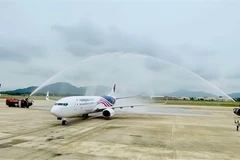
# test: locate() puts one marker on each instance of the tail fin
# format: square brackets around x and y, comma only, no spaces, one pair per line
[112,94]
[47,96]
[113,90]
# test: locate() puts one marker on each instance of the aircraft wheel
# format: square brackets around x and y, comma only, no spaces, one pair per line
[64,122]
[85,115]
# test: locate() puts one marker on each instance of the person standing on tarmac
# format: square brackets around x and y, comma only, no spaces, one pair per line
[237,124]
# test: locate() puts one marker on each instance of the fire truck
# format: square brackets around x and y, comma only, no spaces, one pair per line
[14,102]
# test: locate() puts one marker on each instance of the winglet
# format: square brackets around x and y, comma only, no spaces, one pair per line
[114,88]
[47,96]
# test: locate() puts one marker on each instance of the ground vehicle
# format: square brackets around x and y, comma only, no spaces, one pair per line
[14,102]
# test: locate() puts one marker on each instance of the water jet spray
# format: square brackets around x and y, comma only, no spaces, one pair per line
[143,56]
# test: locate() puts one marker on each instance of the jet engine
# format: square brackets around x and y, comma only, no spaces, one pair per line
[236,111]
[108,113]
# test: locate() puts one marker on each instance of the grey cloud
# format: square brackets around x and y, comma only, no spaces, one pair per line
[80,49]
[19,52]
[79,76]
[208,73]
[85,32]
[233,75]
[155,65]
[87,39]
[194,50]
[35,71]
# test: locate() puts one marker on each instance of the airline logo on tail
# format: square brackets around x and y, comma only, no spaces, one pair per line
[108,101]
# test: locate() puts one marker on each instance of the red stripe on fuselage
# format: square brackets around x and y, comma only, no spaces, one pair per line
[105,102]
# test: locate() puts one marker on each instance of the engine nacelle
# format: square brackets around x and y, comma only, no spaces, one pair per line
[236,111]
[108,113]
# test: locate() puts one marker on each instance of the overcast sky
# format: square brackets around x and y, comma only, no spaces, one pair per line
[40,38]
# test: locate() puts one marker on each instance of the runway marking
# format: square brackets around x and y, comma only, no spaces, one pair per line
[172,128]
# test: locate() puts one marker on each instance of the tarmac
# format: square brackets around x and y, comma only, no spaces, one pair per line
[151,132]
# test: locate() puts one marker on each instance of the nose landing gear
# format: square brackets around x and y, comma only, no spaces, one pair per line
[64,121]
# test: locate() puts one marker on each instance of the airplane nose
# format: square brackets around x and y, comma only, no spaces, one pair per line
[55,111]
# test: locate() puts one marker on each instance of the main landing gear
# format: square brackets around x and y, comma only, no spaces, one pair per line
[85,116]
[65,122]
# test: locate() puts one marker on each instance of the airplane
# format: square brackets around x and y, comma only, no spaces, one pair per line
[81,106]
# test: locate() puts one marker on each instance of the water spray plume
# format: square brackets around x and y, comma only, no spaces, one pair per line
[196,75]
[125,54]
[199,77]
[57,74]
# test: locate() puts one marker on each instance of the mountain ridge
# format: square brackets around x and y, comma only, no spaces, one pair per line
[65,88]
[62,88]
[187,93]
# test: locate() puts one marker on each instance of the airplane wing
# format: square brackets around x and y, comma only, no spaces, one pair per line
[125,97]
[101,108]
[136,105]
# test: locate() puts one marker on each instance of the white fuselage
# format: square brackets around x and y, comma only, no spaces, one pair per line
[75,106]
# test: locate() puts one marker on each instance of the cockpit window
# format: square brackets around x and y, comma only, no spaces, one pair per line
[61,104]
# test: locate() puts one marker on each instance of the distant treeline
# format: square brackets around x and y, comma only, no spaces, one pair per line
[236,99]
[41,94]
[15,93]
